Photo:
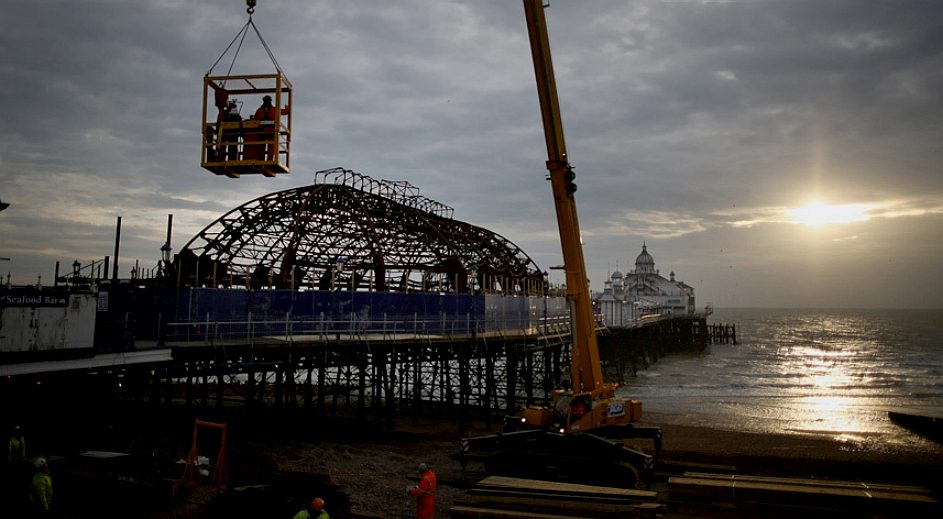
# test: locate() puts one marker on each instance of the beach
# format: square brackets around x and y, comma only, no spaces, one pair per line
[373,467]
[278,461]
[806,456]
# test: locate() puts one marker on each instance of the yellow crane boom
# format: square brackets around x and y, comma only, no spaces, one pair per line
[579,435]
[585,364]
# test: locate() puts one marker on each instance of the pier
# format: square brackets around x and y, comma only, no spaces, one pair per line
[625,351]
[344,354]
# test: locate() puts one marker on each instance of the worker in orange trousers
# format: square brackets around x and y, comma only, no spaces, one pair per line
[424,493]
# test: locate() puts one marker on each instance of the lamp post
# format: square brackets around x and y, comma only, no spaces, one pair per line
[75,271]
[546,277]
[165,251]
[472,281]
[338,267]
[472,277]
[335,289]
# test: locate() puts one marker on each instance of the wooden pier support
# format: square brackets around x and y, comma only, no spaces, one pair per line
[463,379]
[625,351]
[723,333]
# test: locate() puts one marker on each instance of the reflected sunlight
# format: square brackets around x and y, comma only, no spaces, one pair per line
[830,413]
[826,406]
[818,213]
[831,380]
[829,403]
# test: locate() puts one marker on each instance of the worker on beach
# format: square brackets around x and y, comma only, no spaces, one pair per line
[40,496]
[266,112]
[16,448]
[424,493]
[17,471]
[314,510]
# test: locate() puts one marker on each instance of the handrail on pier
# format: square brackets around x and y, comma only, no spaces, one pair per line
[304,331]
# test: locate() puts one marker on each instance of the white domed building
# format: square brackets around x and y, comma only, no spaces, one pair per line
[643,294]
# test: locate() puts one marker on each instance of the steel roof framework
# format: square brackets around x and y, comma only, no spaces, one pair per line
[382,234]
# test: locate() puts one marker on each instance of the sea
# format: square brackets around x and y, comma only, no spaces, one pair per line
[819,372]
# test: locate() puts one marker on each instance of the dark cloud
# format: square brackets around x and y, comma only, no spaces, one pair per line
[685,120]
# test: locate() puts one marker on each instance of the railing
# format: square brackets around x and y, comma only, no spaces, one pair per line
[389,328]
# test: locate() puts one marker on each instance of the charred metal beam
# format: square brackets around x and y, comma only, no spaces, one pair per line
[383,235]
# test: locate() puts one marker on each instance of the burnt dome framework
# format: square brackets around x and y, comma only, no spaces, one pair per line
[349,231]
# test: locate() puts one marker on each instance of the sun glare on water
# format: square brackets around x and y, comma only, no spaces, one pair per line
[817,213]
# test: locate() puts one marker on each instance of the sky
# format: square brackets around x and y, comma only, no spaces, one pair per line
[782,153]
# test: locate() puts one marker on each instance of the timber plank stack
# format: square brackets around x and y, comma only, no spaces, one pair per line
[503,497]
[727,495]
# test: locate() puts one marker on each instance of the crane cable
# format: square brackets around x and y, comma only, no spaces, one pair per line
[241,36]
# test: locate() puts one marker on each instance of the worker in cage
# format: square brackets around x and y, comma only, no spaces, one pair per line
[229,134]
[266,112]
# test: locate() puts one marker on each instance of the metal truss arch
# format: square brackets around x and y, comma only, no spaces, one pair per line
[348,231]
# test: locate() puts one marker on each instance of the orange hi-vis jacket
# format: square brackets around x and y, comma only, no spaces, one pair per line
[267,113]
[425,495]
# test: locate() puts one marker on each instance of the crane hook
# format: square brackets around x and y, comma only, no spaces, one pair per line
[250,6]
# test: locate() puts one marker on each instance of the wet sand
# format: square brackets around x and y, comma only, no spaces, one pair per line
[807,456]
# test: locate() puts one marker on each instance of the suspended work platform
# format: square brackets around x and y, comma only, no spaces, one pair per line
[242,133]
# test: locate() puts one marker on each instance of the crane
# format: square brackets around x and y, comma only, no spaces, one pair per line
[578,434]
[586,370]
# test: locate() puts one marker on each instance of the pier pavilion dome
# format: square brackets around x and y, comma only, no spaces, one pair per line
[352,232]
[644,263]
[617,280]
[628,297]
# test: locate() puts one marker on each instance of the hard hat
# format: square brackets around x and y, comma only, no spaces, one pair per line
[423,467]
[39,462]
[317,504]
[266,98]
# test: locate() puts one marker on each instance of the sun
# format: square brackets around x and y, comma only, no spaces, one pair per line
[818,213]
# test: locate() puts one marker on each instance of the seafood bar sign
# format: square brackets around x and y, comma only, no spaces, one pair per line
[33,298]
